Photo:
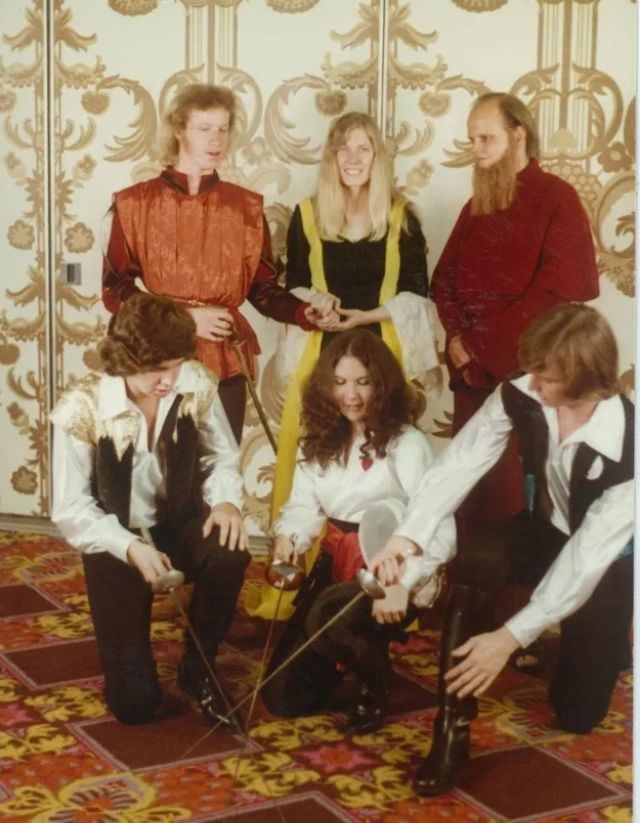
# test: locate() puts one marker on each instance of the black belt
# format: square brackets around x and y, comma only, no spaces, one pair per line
[344,525]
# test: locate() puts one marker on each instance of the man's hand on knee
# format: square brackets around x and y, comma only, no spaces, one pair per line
[485,655]
[233,534]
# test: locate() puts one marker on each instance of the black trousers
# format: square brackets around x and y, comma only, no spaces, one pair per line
[355,644]
[594,642]
[120,603]
[233,396]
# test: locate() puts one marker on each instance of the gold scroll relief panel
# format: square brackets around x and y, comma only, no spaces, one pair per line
[319,66]
[24,484]
[108,101]
[572,62]
[294,66]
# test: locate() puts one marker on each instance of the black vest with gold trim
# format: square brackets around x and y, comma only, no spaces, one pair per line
[178,454]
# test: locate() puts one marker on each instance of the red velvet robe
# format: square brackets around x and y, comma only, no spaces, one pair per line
[209,248]
[496,274]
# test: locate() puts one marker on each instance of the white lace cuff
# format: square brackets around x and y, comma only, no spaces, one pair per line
[414,321]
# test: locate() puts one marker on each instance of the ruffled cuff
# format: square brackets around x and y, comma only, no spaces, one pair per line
[413,318]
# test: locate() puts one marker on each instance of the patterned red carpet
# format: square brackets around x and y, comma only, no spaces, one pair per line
[63,759]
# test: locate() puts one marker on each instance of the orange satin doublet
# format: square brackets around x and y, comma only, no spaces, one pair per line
[200,249]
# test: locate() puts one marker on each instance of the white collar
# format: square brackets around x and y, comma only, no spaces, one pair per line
[603,431]
[192,377]
[112,392]
[112,397]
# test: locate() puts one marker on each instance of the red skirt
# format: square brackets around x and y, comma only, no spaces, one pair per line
[344,547]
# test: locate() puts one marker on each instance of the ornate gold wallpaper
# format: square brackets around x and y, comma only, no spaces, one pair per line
[81,120]
[23,313]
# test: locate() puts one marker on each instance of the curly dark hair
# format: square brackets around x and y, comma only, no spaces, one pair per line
[327,433]
[145,332]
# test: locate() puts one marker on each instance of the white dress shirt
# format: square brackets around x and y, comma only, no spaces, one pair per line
[605,531]
[345,492]
[78,422]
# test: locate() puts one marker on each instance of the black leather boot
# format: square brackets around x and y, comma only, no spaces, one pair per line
[468,613]
[371,665]
[368,711]
[449,753]
[208,694]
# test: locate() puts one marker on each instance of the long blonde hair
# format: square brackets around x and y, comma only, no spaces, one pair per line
[330,199]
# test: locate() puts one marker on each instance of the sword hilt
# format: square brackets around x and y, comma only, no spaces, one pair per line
[284,575]
[237,342]
[171,579]
[370,584]
[234,338]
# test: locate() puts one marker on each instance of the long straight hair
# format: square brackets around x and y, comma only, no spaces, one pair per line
[194,97]
[330,204]
[578,341]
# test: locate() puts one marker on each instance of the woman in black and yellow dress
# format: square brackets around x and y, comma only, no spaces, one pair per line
[357,253]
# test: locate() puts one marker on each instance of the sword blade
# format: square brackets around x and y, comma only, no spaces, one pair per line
[203,657]
[261,670]
[263,661]
[277,670]
[298,651]
[147,536]
[237,344]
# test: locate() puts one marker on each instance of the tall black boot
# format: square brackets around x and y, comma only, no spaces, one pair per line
[468,613]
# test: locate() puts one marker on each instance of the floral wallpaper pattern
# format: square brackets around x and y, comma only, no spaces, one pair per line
[81,119]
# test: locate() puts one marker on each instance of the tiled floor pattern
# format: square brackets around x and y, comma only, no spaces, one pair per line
[64,758]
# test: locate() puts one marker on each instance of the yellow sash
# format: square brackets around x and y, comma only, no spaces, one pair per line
[262,603]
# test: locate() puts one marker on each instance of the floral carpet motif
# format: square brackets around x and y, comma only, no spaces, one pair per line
[64,759]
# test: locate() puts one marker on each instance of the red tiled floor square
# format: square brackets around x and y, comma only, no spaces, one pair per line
[21,600]
[528,782]
[407,696]
[559,778]
[310,809]
[46,665]
[179,734]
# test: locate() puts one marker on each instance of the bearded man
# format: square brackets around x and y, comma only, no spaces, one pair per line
[520,246]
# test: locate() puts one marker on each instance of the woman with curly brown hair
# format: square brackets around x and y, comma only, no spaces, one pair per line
[144,457]
[359,448]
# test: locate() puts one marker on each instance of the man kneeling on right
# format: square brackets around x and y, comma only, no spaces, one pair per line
[575,433]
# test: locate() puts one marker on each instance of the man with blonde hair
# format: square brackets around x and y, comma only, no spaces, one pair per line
[201,241]
[575,435]
[521,245]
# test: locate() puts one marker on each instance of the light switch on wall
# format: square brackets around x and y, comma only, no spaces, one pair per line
[72,273]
